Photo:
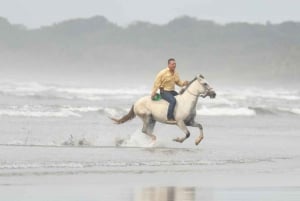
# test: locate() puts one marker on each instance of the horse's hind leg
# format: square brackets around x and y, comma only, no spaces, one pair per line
[195,124]
[148,126]
[183,127]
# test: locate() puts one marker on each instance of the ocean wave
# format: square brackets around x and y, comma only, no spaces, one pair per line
[79,111]
[229,102]
[225,95]
[108,111]
[36,111]
[250,92]
[58,111]
[83,109]
[44,91]
[246,111]
[275,111]
[290,110]
[226,111]
[264,110]
[296,110]
[38,114]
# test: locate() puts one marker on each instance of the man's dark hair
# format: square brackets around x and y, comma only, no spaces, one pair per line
[171,59]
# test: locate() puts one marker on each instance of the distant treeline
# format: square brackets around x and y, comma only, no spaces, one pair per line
[248,50]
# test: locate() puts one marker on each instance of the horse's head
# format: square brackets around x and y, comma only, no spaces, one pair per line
[199,87]
[204,89]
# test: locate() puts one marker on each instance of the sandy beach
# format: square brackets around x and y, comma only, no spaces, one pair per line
[63,147]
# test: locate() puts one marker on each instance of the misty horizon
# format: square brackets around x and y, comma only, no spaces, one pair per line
[124,13]
[94,48]
[134,22]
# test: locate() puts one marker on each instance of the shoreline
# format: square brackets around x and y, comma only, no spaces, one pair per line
[210,180]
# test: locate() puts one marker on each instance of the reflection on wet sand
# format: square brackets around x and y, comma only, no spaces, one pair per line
[170,194]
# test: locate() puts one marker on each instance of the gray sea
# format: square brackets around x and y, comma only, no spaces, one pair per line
[58,143]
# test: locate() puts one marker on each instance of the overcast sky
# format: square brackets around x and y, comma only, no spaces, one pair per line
[36,13]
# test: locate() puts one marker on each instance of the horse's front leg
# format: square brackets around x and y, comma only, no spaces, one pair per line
[201,136]
[183,127]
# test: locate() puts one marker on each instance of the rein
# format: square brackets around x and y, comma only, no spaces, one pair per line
[191,93]
[197,95]
[202,95]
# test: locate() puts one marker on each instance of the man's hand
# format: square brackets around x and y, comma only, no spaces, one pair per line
[185,83]
[153,95]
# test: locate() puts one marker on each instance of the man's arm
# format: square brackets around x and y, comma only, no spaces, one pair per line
[180,82]
[157,84]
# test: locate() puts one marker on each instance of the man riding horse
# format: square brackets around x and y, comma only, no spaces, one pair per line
[151,111]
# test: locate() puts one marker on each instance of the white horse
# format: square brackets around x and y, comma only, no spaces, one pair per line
[185,111]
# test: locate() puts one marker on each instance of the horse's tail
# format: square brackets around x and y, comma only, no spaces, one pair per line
[126,117]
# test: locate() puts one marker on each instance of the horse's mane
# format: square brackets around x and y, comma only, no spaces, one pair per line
[184,89]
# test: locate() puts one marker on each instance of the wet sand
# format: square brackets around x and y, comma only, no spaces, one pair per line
[151,187]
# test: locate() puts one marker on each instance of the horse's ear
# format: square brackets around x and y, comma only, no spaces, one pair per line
[200,76]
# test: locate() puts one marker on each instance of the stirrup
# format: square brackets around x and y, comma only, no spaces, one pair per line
[171,121]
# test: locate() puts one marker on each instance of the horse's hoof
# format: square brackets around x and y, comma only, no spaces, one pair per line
[198,140]
[152,143]
[178,140]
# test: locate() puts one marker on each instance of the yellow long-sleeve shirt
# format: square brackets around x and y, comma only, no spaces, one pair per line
[166,79]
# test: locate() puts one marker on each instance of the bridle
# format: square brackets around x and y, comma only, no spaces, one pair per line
[207,89]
